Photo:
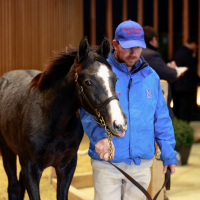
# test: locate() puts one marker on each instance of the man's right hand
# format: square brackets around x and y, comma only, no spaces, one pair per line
[102,148]
[172,64]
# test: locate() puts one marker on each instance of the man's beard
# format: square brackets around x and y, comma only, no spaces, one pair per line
[135,60]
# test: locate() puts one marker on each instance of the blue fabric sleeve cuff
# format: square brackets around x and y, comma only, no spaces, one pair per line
[169,162]
[91,128]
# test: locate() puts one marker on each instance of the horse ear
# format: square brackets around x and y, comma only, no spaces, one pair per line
[83,49]
[105,47]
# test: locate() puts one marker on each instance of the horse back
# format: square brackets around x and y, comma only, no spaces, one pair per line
[14,92]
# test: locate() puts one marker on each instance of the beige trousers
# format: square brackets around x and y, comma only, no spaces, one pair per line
[111,184]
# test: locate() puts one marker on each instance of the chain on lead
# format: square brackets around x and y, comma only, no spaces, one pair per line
[100,121]
[109,136]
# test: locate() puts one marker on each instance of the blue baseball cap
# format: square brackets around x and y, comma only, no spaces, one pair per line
[130,34]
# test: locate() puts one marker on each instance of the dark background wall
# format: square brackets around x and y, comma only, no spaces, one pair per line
[147,19]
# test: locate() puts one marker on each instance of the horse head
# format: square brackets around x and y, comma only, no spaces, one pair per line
[96,86]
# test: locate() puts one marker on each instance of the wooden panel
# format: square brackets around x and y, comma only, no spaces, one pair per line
[164,87]
[109,30]
[155,15]
[93,22]
[157,178]
[74,194]
[82,180]
[78,181]
[198,39]
[31,30]
[124,10]
[140,12]
[185,21]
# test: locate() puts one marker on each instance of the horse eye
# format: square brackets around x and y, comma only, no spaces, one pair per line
[88,83]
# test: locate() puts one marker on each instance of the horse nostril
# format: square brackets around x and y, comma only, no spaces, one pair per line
[117,127]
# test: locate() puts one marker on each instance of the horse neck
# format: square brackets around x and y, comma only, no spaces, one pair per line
[65,98]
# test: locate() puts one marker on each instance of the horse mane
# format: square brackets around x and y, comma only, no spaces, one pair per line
[58,67]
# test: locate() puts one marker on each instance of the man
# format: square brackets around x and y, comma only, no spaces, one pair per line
[153,57]
[165,71]
[169,71]
[142,100]
[185,88]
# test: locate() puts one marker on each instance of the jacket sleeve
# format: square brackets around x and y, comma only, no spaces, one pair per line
[91,128]
[164,131]
[163,71]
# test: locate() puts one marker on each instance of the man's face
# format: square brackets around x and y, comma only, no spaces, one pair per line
[129,56]
[155,42]
[194,46]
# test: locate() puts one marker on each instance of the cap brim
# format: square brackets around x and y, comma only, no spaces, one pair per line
[132,43]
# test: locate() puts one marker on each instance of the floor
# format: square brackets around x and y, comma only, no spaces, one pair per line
[185,183]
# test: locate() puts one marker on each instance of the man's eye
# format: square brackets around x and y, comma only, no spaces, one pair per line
[88,83]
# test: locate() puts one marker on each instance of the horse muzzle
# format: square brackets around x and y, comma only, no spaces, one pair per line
[119,129]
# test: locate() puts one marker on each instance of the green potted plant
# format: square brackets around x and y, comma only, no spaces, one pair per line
[184,135]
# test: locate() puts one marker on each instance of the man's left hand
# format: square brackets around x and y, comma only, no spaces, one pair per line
[172,168]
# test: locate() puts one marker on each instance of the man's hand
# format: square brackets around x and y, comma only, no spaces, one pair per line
[172,64]
[102,148]
[172,168]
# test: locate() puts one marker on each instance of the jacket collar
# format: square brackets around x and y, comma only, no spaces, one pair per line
[122,66]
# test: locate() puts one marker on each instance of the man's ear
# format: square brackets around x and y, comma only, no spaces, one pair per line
[83,49]
[115,43]
[104,49]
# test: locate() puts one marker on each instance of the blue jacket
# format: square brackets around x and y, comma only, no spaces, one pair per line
[143,103]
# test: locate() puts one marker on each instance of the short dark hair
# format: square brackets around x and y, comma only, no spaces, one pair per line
[192,39]
[149,33]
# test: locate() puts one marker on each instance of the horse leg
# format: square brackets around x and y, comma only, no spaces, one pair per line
[9,162]
[22,187]
[31,178]
[64,177]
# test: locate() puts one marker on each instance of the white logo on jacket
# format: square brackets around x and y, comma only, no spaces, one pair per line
[149,94]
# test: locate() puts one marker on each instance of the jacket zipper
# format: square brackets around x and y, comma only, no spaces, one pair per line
[129,86]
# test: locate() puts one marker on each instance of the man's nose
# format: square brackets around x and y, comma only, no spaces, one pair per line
[132,52]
